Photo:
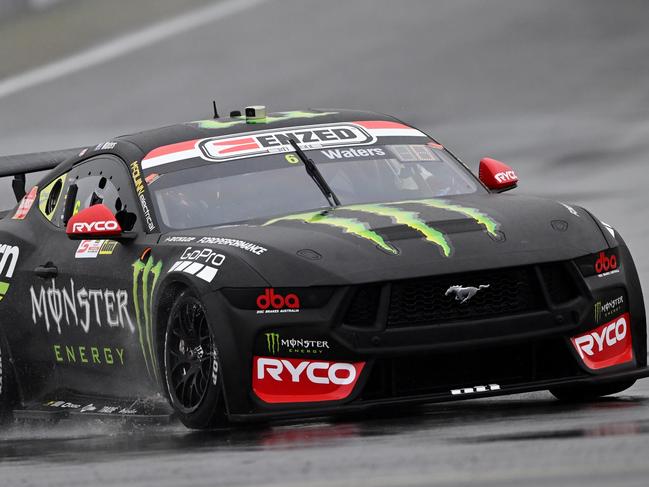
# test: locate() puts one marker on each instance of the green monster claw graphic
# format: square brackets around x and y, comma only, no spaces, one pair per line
[348,225]
[409,218]
[275,117]
[272,342]
[4,287]
[483,219]
[145,328]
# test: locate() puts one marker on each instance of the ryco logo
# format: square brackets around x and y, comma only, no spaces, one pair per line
[506,177]
[294,380]
[605,263]
[607,345]
[314,372]
[93,227]
[271,302]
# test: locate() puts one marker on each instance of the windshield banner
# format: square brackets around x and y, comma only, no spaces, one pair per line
[266,142]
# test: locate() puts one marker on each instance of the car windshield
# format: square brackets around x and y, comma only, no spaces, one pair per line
[259,187]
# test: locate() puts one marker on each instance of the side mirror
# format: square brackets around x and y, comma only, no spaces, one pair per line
[95,222]
[496,175]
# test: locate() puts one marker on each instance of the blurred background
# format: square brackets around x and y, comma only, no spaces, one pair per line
[558,89]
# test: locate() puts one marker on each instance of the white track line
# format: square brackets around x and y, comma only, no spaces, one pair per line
[124,45]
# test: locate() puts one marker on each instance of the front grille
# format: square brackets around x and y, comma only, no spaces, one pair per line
[423,301]
[362,311]
[559,282]
[416,302]
[437,373]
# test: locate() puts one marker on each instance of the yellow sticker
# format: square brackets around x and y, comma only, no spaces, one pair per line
[292,158]
[50,196]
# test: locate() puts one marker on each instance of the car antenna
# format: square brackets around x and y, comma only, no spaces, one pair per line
[316,175]
[216,112]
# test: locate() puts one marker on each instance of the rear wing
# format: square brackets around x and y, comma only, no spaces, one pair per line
[20,165]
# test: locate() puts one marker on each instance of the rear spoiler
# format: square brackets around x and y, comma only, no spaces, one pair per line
[20,165]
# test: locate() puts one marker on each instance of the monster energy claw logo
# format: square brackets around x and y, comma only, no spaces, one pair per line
[272,342]
[145,278]
[598,311]
[410,218]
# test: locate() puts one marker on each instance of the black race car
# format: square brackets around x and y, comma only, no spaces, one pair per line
[297,264]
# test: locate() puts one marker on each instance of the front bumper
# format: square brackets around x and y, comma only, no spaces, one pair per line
[327,410]
[521,352]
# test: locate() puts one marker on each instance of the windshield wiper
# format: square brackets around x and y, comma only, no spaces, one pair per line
[312,170]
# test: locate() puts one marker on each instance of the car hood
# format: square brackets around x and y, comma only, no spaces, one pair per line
[375,242]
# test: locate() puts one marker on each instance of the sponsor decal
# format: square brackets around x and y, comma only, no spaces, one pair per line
[506,177]
[146,272]
[232,242]
[275,344]
[351,153]
[271,302]
[250,144]
[277,141]
[286,380]
[473,390]
[55,190]
[88,354]
[180,239]
[463,294]
[202,263]
[105,146]
[410,218]
[80,307]
[604,311]
[90,249]
[141,191]
[8,259]
[91,408]
[606,265]
[412,153]
[96,227]
[607,345]
[26,204]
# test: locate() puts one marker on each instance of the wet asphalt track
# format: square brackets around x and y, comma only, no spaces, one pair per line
[556,88]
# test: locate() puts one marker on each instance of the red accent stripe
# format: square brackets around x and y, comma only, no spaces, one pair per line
[239,148]
[381,124]
[245,140]
[170,149]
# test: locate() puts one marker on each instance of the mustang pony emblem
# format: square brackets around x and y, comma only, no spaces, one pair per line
[463,294]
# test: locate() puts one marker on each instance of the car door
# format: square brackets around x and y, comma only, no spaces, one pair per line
[82,293]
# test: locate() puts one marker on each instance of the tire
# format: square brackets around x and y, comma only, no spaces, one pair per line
[586,393]
[191,366]
[7,384]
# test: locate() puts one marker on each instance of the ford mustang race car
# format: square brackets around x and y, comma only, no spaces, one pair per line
[269,265]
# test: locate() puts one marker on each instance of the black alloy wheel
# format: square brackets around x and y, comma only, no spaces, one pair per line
[192,364]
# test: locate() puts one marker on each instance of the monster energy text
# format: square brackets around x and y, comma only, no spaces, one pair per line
[608,309]
[275,343]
